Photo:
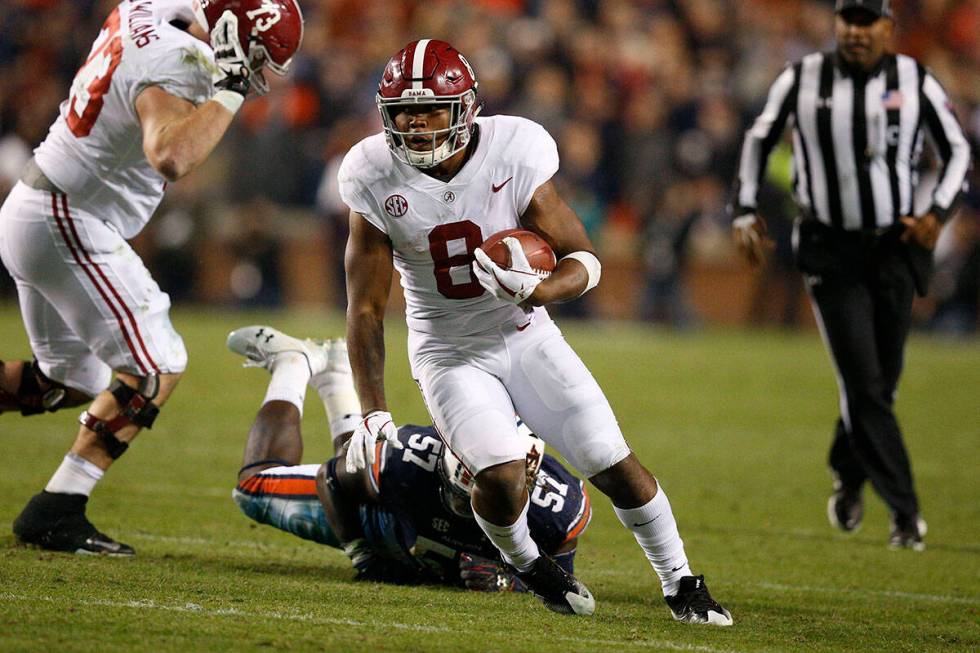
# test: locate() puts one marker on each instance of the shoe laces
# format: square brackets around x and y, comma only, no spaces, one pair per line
[699,600]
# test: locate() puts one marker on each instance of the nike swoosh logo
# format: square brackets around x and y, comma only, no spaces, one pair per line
[524,326]
[495,188]
[649,521]
[681,567]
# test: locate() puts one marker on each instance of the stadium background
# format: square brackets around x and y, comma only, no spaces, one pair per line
[648,100]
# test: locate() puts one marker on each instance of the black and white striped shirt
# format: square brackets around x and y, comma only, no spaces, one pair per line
[856,141]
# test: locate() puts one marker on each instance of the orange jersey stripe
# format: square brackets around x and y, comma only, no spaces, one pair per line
[583,521]
[376,467]
[260,484]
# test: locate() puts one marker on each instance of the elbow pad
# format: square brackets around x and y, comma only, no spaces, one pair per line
[592,267]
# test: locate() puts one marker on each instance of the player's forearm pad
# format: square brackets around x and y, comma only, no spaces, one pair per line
[592,267]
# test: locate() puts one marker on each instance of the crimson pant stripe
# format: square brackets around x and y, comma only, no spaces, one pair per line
[91,276]
[112,289]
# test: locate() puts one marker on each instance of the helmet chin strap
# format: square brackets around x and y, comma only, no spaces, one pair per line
[434,156]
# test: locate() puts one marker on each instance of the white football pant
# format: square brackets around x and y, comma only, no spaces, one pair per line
[473,385]
[88,303]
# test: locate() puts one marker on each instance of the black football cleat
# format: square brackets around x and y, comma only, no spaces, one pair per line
[845,509]
[556,588]
[693,604]
[57,522]
[907,533]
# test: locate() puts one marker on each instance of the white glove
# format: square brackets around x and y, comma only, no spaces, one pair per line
[377,426]
[512,285]
[228,52]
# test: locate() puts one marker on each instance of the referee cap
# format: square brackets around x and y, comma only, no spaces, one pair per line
[880,8]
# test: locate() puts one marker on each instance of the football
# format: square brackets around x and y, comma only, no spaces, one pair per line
[539,253]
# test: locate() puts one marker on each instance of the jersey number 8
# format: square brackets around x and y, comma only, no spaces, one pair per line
[470,236]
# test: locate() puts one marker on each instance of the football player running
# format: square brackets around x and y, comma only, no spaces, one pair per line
[424,194]
[155,95]
[404,520]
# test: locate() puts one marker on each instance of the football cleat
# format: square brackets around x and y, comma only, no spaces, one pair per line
[845,508]
[556,588]
[693,604]
[57,522]
[907,533]
[261,344]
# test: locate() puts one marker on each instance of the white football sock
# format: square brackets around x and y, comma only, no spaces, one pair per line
[75,475]
[290,374]
[336,390]
[514,541]
[655,530]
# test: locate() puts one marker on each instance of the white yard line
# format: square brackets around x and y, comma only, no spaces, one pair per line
[913,596]
[787,587]
[194,608]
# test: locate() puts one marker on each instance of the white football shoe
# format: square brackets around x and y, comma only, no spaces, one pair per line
[261,344]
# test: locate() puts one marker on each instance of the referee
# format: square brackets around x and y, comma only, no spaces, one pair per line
[859,118]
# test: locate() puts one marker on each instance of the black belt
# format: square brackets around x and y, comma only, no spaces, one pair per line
[34,177]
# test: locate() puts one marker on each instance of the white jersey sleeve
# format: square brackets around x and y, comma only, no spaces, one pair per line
[186,72]
[532,152]
[363,168]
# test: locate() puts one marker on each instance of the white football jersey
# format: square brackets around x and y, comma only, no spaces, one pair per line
[94,150]
[434,226]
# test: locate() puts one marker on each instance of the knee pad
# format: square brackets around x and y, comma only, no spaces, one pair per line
[31,399]
[135,407]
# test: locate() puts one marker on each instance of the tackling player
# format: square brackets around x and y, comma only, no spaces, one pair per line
[158,90]
[424,194]
[406,519]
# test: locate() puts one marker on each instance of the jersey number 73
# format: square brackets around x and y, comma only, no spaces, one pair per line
[92,80]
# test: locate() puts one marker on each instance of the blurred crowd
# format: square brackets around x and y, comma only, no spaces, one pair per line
[647,99]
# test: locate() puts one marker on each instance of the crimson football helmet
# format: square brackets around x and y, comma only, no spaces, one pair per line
[269,31]
[457,482]
[428,72]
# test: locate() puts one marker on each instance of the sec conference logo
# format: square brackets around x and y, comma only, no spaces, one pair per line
[396,206]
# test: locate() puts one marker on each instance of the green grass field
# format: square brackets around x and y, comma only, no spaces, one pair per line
[734,424]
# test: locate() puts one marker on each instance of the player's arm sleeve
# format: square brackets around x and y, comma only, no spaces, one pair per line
[185,73]
[539,163]
[354,193]
[951,145]
[761,138]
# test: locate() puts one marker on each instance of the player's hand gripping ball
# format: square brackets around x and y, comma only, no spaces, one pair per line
[510,264]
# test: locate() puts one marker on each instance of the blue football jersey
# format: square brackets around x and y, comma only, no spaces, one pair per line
[408,482]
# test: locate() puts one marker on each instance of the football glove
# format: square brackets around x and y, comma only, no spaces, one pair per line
[234,73]
[485,575]
[377,426]
[751,238]
[373,568]
[514,284]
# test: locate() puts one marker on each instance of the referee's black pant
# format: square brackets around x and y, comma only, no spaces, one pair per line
[861,287]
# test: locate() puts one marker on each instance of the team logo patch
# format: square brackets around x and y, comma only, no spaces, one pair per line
[449,196]
[396,206]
